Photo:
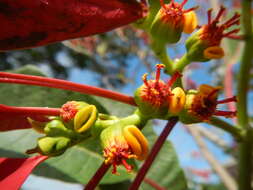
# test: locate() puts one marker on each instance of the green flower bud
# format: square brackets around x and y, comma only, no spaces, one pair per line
[170,21]
[152,97]
[205,43]
[201,105]
[53,146]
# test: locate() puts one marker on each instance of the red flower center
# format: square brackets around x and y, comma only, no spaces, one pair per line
[213,33]
[117,154]
[173,12]
[157,91]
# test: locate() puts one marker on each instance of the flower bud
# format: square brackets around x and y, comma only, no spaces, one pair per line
[69,110]
[121,143]
[176,101]
[170,22]
[51,146]
[205,43]
[152,96]
[55,128]
[201,105]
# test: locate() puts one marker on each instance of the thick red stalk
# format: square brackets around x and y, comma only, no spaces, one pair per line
[94,181]
[228,83]
[66,85]
[29,110]
[155,150]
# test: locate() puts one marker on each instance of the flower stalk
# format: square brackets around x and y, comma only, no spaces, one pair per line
[63,84]
[245,155]
[94,181]
[153,153]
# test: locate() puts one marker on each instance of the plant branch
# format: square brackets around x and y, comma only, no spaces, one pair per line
[153,153]
[225,177]
[94,181]
[245,148]
[29,110]
[66,85]
[233,130]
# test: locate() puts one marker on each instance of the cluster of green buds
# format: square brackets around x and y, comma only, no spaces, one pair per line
[121,139]
[71,127]
[157,99]
[171,20]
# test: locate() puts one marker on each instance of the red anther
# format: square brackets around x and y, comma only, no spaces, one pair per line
[173,79]
[228,114]
[227,100]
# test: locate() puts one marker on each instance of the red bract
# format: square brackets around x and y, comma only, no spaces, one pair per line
[14,171]
[30,23]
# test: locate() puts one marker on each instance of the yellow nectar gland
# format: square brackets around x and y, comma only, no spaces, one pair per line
[204,103]
[213,33]
[157,92]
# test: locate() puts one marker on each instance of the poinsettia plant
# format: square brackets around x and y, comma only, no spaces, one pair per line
[64,128]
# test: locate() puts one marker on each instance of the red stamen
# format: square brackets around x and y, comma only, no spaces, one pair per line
[220,13]
[234,20]
[126,165]
[190,9]
[162,4]
[225,113]
[209,16]
[158,72]
[173,79]
[213,92]
[114,168]
[144,79]
[183,3]
[227,100]
[231,32]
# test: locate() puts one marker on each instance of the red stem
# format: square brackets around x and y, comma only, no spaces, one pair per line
[151,157]
[29,110]
[66,85]
[228,83]
[153,184]
[94,181]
